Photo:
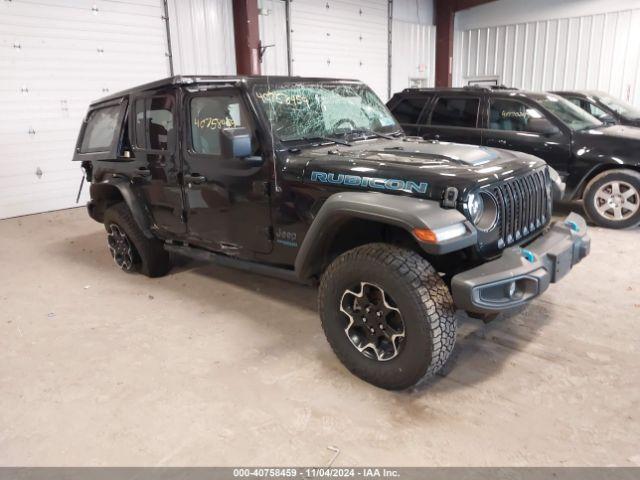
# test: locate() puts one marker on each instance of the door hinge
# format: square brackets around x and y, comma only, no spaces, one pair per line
[262,188]
[269,233]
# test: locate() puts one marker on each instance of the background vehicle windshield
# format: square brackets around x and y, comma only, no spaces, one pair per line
[572,116]
[620,106]
[298,111]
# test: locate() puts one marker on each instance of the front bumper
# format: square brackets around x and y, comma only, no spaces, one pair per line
[522,274]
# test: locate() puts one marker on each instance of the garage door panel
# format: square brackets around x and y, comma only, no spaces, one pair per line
[48,14]
[128,7]
[55,58]
[347,39]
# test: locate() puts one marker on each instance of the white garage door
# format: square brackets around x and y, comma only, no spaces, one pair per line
[55,57]
[341,39]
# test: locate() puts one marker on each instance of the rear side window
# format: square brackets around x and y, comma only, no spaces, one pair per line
[408,110]
[456,112]
[100,132]
[154,123]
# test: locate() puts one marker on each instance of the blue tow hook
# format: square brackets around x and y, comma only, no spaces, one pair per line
[528,255]
[572,225]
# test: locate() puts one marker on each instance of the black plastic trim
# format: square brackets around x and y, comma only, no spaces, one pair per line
[407,213]
[554,253]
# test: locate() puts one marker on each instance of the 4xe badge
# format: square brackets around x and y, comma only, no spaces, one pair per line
[370,182]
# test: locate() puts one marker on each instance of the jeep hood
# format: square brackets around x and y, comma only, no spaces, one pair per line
[437,164]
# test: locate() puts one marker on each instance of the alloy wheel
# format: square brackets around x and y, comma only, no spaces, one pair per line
[375,325]
[120,247]
[617,200]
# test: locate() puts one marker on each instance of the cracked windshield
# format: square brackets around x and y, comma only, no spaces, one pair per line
[324,111]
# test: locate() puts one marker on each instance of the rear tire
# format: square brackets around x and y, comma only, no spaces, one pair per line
[130,249]
[377,281]
[612,199]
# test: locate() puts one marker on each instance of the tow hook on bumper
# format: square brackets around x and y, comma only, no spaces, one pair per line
[522,274]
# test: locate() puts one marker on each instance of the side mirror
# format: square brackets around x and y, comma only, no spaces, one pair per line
[607,119]
[542,126]
[235,142]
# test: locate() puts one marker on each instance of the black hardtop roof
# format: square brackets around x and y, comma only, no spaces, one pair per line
[213,79]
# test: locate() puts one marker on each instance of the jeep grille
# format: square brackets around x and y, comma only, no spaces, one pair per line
[523,204]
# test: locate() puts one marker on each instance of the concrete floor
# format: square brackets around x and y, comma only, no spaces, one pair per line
[210,366]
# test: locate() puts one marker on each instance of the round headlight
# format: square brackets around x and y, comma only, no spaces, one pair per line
[475,207]
[483,210]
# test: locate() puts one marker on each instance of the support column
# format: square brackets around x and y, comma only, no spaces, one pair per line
[444,13]
[247,36]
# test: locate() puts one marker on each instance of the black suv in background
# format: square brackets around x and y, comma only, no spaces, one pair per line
[604,107]
[599,163]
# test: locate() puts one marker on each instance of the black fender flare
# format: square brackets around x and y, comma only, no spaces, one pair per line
[139,212]
[407,213]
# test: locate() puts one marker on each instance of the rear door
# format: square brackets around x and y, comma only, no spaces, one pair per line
[453,118]
[507,127]
[154,143]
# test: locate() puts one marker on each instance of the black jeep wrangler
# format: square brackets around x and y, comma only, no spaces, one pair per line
[313,180]
[600,163]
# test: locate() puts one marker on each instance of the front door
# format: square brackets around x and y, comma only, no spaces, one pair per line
[227,198]
[507,127]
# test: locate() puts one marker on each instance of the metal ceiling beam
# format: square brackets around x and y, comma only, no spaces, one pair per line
[445,11]
[247,36]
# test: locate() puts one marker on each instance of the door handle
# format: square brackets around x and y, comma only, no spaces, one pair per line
[195,178]
[142,172]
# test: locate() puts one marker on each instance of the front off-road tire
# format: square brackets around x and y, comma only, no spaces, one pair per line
[130,249]
[612,199]
[421,328]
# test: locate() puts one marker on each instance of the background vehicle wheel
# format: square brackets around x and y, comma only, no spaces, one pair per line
[387,315]
[612,199]
[130,249]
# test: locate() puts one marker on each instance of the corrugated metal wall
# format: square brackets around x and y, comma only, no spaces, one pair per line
[600,51]
[202,37]
[55,57]
[413,58]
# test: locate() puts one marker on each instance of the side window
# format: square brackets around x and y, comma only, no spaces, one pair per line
[102,127]
[597,112]
[576,101]
[154,123]
[511,115]
[456,112]
[211,114]
[140,123]
[408,110]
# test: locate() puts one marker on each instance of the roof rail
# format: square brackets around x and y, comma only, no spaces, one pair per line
[488,88]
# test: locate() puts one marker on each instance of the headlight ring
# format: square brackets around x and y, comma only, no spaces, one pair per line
[482,208]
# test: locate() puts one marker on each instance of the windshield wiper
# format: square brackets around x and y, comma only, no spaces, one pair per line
[326,139]
[372,133]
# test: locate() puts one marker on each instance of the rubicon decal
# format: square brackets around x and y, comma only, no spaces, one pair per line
[379,183]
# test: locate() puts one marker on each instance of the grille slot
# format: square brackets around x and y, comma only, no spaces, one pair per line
[522,206]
